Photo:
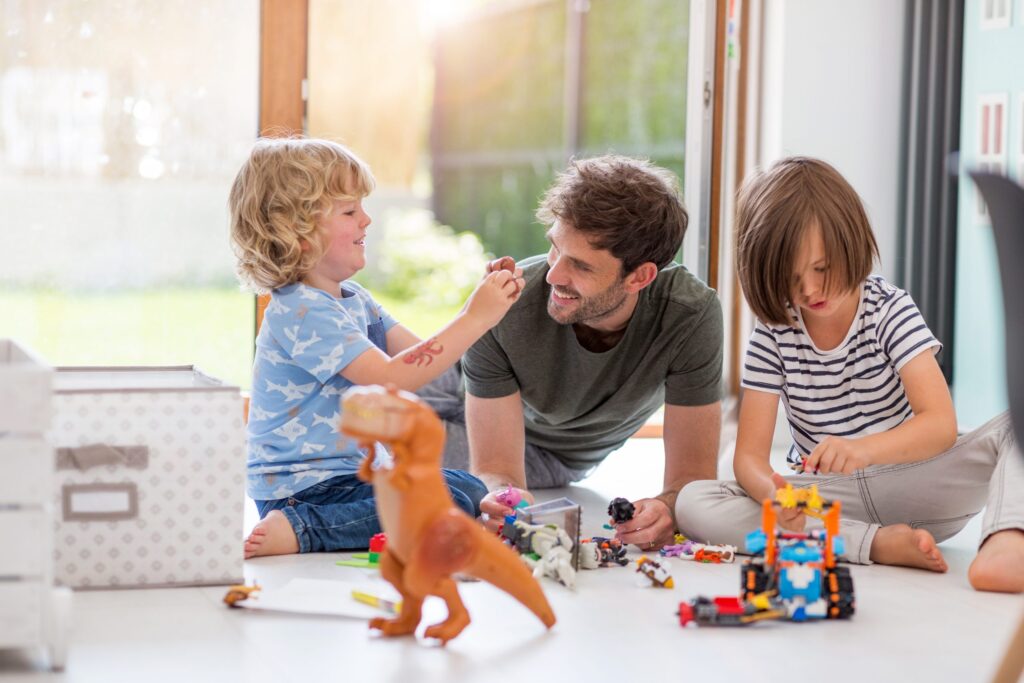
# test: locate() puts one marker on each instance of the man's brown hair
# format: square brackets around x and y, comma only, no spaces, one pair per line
[773,212]
[629,207]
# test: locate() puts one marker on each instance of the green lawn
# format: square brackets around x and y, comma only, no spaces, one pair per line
[211,328]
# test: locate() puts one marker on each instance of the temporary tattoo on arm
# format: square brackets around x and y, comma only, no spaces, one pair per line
[424,352]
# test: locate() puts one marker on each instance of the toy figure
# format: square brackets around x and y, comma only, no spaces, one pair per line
[546,548]
[429,538]
[655,571]
[239,593]
[512,498]
[556,563]
[621,510]
[602,552]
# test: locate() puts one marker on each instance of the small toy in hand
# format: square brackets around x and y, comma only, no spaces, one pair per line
[512,498]
[621,510]
[655,571]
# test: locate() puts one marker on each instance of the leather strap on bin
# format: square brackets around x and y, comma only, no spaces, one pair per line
[98,454]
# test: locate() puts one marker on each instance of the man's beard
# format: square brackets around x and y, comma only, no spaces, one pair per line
[590,309]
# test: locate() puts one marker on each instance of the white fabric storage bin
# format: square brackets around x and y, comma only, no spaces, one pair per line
[150,477]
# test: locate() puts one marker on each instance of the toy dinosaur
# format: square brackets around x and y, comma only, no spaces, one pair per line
[429,538]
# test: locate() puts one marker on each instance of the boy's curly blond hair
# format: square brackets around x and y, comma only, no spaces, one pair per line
[278,197]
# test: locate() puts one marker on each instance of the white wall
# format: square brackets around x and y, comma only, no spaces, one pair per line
[832,89]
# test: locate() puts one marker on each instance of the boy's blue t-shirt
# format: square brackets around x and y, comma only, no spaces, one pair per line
[307,338]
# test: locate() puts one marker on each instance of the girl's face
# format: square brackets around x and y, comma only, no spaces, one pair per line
[344,233]
[807,288]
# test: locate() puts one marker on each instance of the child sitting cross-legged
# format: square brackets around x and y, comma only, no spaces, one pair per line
[298,229]
[853,363]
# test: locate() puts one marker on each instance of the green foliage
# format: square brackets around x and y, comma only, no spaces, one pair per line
[422,262]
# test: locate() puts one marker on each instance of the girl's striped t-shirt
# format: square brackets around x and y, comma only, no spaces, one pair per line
[852,390]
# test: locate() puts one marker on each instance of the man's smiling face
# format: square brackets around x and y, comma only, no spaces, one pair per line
[587,284]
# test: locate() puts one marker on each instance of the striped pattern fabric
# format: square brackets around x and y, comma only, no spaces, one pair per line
[852,390]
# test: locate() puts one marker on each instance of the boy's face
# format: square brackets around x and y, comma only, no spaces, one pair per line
[586,283]
[810,270]
[344,231]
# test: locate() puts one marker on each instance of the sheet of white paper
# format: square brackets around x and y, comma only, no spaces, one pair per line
[318,596]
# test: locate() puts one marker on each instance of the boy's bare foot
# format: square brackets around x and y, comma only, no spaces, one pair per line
[272,536]
[901,545]
[999,565]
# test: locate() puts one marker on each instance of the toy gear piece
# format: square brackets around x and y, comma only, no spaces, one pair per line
[621,510]
[754,579]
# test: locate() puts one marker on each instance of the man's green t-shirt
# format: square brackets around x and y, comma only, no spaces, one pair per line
[582,405]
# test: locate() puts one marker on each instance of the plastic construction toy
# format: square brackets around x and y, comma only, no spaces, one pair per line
[370,560]
[800,567]
[429,538]
[599,552]
[655,571]
[730,611]
[621,510]
[700,552]
[545,548]
[792,575]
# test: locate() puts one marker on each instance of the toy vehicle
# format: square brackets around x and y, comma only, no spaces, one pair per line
[730,611]
[792,575]
[800,568]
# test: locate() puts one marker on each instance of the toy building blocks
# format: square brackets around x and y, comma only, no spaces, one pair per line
[370,560]
[800,568]
[700,552]
[791,576]
[729,611]
[599,551]
[429,538]
[654,571]
[621,510]
[546,548]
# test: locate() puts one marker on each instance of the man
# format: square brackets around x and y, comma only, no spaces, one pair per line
[606,330]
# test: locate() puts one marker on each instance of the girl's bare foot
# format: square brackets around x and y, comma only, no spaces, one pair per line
[272,536]
[999,565]
[903,546]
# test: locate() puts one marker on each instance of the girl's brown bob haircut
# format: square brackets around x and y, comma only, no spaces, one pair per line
[775,209]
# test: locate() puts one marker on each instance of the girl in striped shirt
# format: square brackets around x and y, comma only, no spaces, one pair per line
[853,363]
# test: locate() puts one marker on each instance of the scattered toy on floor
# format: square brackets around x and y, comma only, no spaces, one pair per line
[546,548]
[429,538]
[238,593]
[599,552]
[370,560]
[655,571]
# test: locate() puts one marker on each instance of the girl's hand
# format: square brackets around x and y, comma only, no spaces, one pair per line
[790,519]
[835,455]
[493,297]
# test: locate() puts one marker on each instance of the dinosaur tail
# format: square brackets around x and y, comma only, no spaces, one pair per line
[499,565]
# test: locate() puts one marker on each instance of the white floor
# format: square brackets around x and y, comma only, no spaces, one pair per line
[909,625]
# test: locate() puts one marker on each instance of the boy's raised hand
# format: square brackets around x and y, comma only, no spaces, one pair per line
[507,263]
[791,519]
[492,298]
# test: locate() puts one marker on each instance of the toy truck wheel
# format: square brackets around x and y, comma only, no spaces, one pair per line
[837,589]
[685,613]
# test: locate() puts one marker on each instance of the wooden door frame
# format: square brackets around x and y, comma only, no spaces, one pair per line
[284,26]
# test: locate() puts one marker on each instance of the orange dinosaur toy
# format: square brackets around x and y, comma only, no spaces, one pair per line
[429,538]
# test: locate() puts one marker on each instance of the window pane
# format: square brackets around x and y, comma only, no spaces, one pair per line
[119,139]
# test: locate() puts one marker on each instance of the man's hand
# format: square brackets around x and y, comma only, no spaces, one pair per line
[835,455]
[493,511]
[651,528]
[790,519]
